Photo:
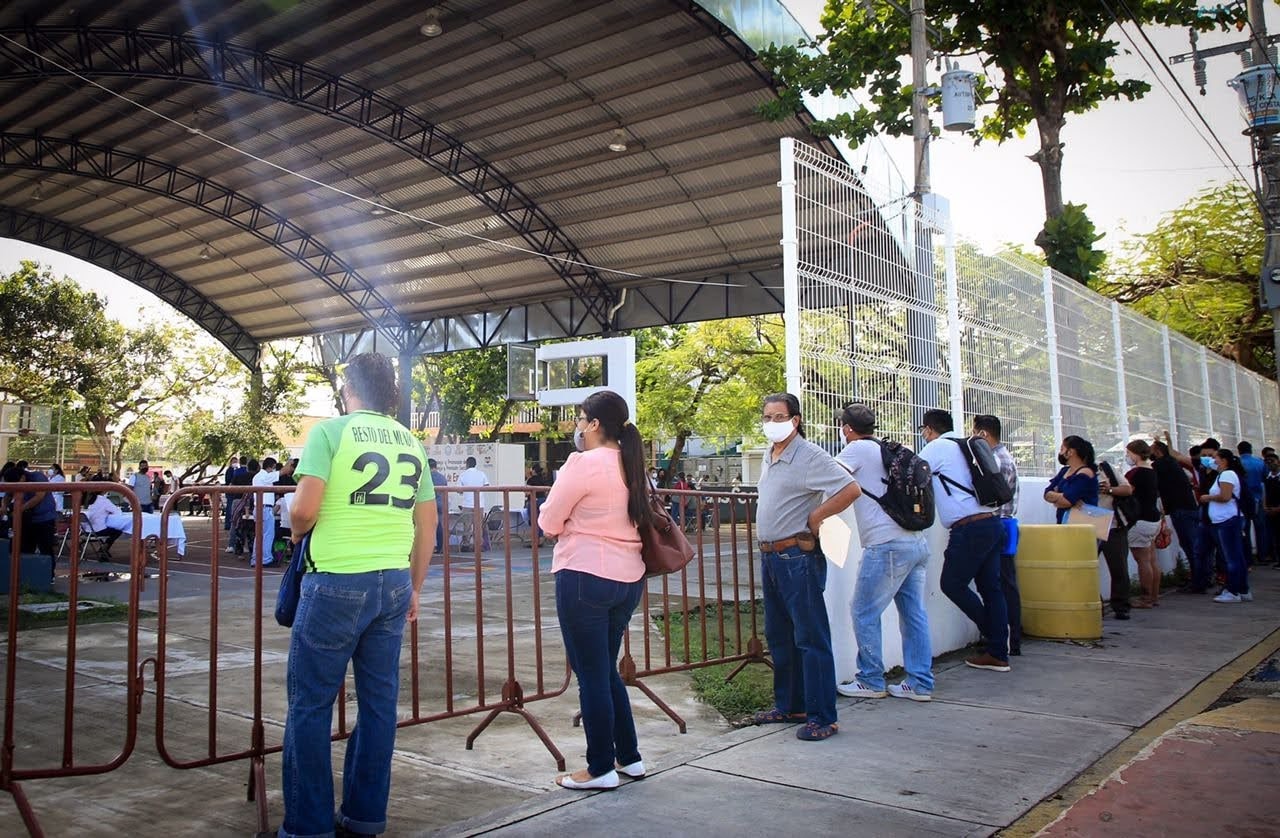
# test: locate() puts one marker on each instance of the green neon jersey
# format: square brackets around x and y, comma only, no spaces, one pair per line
[373,470]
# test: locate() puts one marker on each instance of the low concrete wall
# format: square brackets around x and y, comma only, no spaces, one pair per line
[949,628]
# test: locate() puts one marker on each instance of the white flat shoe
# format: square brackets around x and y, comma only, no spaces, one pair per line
[635,770]
[603,782]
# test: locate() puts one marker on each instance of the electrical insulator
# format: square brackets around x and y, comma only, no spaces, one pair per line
[1200,77]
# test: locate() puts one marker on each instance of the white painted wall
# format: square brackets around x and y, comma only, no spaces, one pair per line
[948,627]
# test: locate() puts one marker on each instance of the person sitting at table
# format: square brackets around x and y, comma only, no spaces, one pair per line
[97,511]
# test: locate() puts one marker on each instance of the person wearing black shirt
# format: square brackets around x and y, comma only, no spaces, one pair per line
[1200,460]
[1142,532]
[1179,500]
[1271,505]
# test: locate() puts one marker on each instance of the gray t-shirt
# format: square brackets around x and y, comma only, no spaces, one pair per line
[1010,471]
[793,486]
[863,458]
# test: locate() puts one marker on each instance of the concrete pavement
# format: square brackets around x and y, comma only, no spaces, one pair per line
[980,758]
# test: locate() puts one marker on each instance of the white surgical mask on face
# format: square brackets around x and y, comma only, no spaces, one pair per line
[777,431]
[578,441]
[1129,461]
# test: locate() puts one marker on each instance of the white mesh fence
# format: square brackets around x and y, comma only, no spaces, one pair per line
[885,307]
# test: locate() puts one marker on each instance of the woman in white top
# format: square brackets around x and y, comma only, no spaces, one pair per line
[1223,501]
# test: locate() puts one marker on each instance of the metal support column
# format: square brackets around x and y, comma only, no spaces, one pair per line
[1121,389]
[404,377]
[1169,389]
[1204,388]
[790,266]
[1051,339]
[955,361]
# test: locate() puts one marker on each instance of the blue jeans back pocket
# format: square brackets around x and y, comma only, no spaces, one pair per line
[329,615]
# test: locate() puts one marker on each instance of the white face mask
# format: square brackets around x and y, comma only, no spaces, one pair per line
[1130,461]
[578,442]
[778,431]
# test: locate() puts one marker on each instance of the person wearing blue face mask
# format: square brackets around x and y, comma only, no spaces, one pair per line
[1200,459]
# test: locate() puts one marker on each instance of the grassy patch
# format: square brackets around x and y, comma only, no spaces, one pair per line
[725,628]
[105,611]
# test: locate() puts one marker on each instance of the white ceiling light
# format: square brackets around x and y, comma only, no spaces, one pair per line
[431,27]
[205,253]
[377,210]
[618,141]
[37,194]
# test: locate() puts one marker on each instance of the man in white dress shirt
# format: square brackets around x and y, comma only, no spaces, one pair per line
[266,476]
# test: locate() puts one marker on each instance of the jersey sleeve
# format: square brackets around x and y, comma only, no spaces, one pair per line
[426,485]
[317,453]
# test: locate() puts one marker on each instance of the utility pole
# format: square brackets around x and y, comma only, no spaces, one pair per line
[1259,87]
[922,326]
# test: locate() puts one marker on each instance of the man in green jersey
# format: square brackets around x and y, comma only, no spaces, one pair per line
[369,517]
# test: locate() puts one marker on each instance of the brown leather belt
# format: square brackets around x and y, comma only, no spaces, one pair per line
[803,540]
[969,519]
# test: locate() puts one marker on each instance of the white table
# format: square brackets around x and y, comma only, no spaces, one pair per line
[123,521]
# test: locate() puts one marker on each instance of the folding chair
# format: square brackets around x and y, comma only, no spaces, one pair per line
[88,536]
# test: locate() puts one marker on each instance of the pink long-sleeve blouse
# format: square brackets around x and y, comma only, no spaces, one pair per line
[587,509]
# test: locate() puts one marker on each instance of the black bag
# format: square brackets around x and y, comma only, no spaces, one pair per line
[989,485]
[1126,507]
[290,592]
[908,494]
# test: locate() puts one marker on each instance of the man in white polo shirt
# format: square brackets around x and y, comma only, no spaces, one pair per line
[266,476]
[473,477]
[976,540]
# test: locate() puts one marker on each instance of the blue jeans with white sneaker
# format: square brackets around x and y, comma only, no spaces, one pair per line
[893,571]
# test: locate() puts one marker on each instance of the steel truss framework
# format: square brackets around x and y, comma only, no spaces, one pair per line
[138,54]
[64,155]
[49,232]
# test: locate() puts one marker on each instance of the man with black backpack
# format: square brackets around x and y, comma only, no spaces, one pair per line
[968,487]
[896,504]
[988,428]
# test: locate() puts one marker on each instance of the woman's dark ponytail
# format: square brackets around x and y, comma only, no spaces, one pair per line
[636,475]
[610,410]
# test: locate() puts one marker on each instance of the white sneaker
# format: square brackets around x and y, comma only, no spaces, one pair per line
[855,689]
[904,690]
[228,550]
[635,770]
[1247,596]
[1227,596]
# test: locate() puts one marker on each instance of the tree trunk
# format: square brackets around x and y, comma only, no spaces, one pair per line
[1049,159]
[507,407]
[677,451]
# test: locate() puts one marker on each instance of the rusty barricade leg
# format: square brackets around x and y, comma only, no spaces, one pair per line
[11,776]
[513,698]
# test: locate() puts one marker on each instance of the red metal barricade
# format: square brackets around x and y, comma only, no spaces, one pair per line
[29,731]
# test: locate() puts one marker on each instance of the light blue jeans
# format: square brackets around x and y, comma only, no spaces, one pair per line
[893,571]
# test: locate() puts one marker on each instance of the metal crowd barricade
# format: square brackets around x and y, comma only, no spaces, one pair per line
[478,647]
[70,762]
[721,577]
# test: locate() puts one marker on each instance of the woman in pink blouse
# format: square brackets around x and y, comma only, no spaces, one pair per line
[599,499]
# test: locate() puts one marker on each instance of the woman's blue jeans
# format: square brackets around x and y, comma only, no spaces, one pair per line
[1230,536]
[799,634]
[355,617]
[894,571]
[594,613]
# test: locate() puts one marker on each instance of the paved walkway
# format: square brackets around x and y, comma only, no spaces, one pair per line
[988,754]
[985,752]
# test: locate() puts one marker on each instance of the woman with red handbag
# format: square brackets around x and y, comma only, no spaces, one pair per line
[596,506]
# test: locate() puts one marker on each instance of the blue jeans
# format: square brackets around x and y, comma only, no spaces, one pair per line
[594,613]
[894,570]
[356,617]
[799,634]
[1230,536]
[973,555]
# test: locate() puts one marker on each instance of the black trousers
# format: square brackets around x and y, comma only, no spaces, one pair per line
[1013,600]
[38,538]
[1115,550]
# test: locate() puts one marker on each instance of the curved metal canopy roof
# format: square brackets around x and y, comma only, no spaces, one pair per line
[187,147]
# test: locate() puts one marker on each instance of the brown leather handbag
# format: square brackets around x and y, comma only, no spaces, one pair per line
[663,545]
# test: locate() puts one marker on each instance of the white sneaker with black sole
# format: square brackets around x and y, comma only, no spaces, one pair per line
[1247,596]
[1227,596]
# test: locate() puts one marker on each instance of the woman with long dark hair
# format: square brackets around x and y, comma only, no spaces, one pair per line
[1225,520]
[1144,486]
[598,502]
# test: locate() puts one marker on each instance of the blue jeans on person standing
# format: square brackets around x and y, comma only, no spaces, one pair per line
[594,613]
[1230,536]
[356,617]
[263,546]
[894,570]
[799,634]
[1186,523]
[973,555]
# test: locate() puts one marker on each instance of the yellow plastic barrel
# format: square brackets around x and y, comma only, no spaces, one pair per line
[1058,581]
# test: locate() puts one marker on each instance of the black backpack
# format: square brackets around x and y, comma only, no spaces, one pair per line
[908,494]
[989,485]
[1126,507]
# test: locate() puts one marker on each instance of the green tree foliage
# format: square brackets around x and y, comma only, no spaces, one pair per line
[1046,59]
[707,379]
[1069,244]
[1197,272]
[469,388]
